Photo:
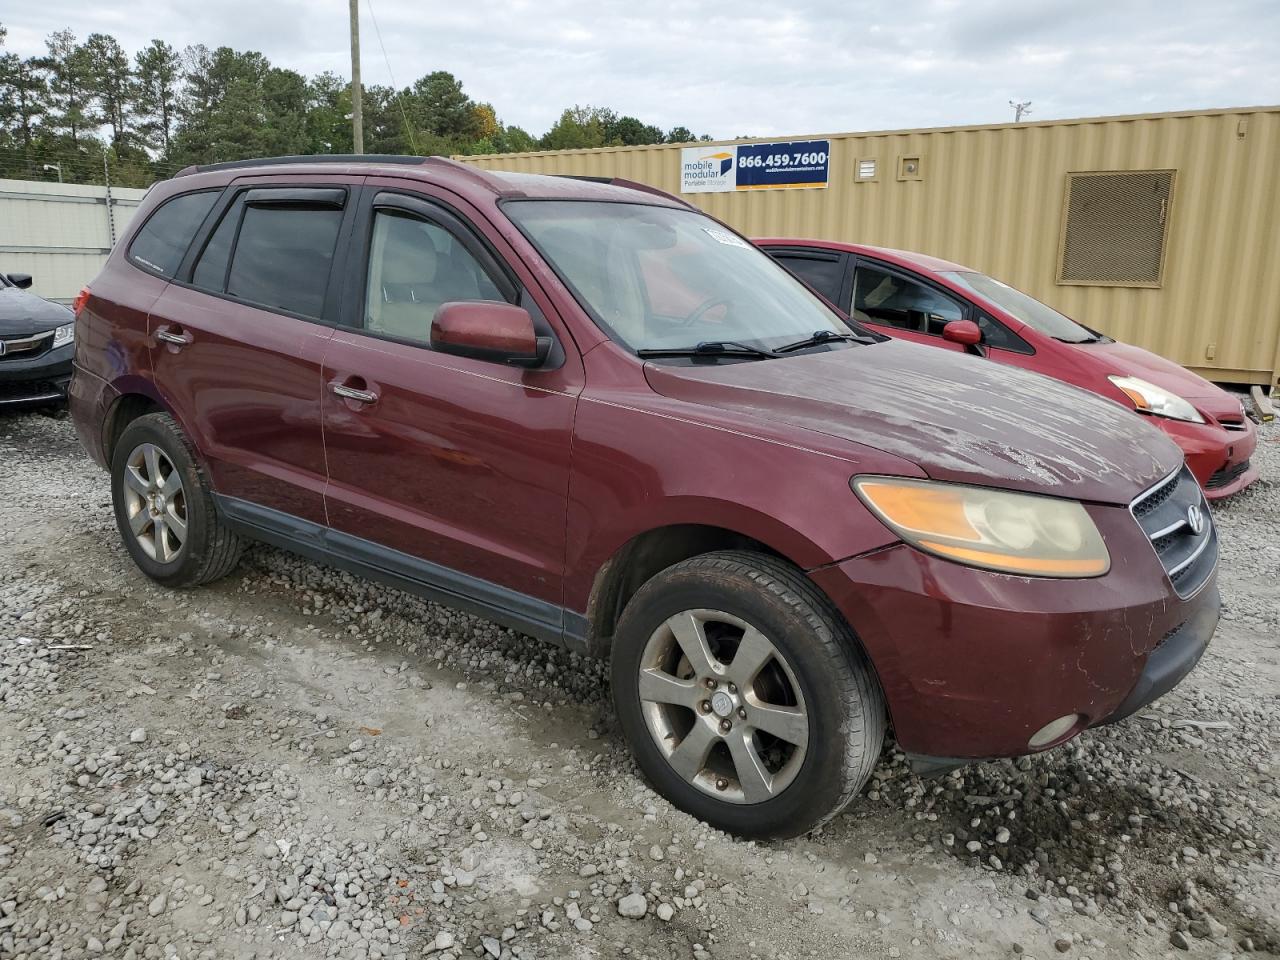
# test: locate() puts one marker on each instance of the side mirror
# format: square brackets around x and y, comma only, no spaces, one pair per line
[20,280]
[487,330]
[964,332]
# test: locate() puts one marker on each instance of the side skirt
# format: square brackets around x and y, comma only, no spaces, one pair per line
[519,611]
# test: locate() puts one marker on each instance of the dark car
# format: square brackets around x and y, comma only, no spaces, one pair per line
[35,345]
[594,414]
[926,300]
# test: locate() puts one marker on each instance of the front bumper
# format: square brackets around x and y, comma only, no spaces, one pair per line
[974,664]
[40,381]
[1220,459]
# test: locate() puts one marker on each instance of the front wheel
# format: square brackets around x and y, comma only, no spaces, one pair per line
[745,697]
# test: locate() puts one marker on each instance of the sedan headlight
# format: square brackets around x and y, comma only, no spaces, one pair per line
[1017,533]
[1149,398]
[64,335]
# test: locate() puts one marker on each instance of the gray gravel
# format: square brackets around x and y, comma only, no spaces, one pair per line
[294,762]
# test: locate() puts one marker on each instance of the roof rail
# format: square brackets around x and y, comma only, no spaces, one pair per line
[630,185]
[347,158]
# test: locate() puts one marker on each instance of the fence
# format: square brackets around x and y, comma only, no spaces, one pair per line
[60,233]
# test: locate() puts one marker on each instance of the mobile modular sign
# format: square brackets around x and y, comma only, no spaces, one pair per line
[792,165]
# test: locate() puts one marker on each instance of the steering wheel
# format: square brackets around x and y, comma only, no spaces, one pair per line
[701,309]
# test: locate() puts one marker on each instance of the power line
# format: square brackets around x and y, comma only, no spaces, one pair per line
[408,129]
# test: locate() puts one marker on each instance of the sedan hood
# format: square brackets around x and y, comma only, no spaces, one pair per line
[957,417]
[22,312]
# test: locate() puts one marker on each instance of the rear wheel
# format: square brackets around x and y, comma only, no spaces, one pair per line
[164,506]
[744,695]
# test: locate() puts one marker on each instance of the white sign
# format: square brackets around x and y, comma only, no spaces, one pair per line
[708,169]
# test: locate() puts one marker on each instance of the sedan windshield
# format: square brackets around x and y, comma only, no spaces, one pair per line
[1022,307]
[659,278]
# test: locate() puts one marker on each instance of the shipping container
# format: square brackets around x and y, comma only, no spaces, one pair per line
[1162,230]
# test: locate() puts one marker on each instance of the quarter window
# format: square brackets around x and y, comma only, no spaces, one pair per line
[888,298]
[414,267]
[164,238]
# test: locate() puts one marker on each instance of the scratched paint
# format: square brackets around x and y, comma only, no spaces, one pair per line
[957,417]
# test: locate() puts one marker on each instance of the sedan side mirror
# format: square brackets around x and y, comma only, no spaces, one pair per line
[488,330]
[964,332]
[20,280]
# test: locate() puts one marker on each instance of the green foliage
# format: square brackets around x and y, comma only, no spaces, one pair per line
[164,109]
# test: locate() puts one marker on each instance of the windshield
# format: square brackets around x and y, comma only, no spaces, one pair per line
[1022,307]
[663,278]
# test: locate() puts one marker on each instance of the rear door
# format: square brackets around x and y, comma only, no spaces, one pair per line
[239,335]
[451,470]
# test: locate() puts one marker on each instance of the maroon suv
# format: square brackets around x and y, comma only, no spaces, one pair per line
[594,414]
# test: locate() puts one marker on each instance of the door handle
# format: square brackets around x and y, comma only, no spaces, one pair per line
[177,339]
[351,393]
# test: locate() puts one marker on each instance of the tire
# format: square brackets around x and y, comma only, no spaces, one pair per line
[154,446]
[816,668]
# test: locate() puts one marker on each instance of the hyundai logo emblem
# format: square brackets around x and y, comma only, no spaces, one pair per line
[1195,519]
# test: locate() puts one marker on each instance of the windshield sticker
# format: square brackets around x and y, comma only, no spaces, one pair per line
[728,239]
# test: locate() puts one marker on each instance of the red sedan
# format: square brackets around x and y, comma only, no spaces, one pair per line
[917,297]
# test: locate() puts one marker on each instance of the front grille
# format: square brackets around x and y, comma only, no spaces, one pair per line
[1232,423]
[1165,515]
[1227,475]
[25,347]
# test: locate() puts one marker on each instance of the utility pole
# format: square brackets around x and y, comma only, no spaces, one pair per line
[1020,109]
[357,93]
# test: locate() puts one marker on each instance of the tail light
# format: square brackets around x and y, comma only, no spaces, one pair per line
[81,299]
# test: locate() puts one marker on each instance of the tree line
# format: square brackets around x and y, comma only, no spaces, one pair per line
[164,108]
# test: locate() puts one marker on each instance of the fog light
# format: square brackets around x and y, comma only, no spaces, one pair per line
[1053,730]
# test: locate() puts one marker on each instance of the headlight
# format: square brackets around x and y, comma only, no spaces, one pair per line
[64,335]
[1011,532]
[1149,398]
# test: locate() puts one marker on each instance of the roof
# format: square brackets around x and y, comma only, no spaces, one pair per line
[907,258]
[442,169]
[1020,125]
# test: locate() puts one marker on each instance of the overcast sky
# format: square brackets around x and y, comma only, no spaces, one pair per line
[746,67]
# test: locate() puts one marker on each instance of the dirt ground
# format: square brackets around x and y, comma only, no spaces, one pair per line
[296,763]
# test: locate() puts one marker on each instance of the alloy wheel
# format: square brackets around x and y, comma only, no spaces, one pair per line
[155,502]
[723,706]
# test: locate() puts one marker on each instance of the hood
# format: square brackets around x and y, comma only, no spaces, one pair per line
[957,417]
[22,312]
[1126,360]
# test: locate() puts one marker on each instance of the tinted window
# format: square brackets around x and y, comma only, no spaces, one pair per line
[283,257]
[211,268]
[414,267]
[164,238]
[889,298]
[823,275]
[1029,310]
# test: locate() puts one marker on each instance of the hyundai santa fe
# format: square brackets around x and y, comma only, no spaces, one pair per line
[593,414]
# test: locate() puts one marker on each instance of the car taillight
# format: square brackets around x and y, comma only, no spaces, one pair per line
[81,299]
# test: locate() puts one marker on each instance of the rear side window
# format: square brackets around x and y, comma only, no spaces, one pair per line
[164,238]
[823,275]
[282,257]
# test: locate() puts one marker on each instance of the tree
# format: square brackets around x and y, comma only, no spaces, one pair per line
[23,97]
[437,105]
[578,128]
[158,70]
[680,135]
[113,84]
[70,87]
[328,109]
[630,132]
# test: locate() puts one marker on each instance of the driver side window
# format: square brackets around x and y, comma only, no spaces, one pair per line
[889,298]
[415,266]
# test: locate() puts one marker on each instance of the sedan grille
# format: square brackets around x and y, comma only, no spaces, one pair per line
[25,347]
[1227,475]
[1168,514]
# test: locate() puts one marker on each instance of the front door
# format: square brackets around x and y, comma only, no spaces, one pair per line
[903,306]
[459,467]
[238,337]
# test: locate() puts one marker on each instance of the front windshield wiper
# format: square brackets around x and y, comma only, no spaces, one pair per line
[822,336]
[711,348]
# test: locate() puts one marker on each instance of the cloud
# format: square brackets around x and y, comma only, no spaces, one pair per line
[750,67]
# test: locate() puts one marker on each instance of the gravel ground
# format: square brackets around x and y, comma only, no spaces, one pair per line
[296,763]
